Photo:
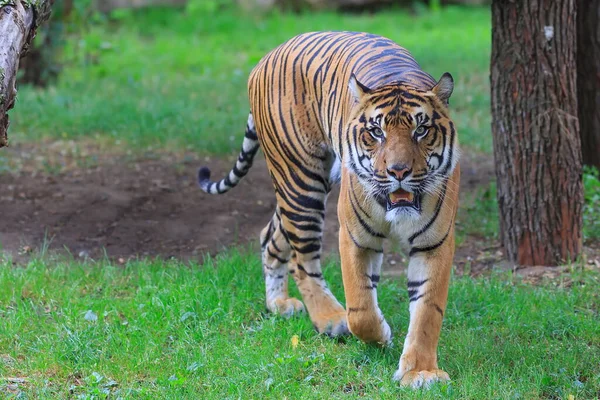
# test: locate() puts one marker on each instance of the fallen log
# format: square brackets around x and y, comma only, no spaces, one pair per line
[19,20]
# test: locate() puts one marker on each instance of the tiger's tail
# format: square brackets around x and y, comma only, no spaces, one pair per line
[250,147]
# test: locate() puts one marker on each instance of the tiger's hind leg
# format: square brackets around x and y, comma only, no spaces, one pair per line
[287,252]
[276,253]
[299,162]
[303,228]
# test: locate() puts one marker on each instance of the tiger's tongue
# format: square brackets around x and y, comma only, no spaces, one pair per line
[401,195]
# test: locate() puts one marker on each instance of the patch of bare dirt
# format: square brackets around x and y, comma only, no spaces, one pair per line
[90,202]
[123,207]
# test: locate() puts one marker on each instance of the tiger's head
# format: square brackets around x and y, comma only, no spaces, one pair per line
[406,143]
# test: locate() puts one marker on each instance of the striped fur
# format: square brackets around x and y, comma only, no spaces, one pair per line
[355,108]
[240,169]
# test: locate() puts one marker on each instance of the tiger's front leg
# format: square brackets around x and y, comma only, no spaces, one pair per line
[361,255]
[428,279]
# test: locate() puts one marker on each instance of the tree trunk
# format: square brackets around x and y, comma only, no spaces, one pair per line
[588,79]
[535,130]
[18,23]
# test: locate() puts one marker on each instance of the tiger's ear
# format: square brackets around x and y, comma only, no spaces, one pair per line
[443,89]
[357,89]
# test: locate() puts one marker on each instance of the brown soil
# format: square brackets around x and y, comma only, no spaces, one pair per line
[89,202]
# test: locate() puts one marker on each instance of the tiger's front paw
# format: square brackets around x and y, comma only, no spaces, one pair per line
[386,337]
[419,369]
[286,307]
[417,379]
[333,325]
[370,328]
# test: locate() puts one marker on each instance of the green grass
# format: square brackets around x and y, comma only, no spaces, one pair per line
[591,208]
[172,78]
[478,214]
[167,330]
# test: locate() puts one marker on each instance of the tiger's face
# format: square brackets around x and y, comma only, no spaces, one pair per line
[406,143]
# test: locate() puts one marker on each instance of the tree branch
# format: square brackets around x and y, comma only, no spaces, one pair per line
[19,20]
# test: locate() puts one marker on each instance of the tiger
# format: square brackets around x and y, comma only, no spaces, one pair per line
[355,109]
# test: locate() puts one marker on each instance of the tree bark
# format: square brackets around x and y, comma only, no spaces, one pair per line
[18,23]
[535,130]
[588,79]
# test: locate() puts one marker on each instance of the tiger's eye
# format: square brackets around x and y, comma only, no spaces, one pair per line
[421,130]
[376,132]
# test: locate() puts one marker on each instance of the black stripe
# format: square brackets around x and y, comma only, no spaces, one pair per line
[359,245]
[450,148]
[311,274]
[436,212]
[287,193]
[291,216]
[307,228]
[411,284]
[251,134]
[239,173]
[309,248]
[299,203]
[275,256]
[268,235]
[275,246]
[415,298]
[297,239]
[432,247]
[362,222]
[353,192]
[288,152]
[247,157]
[353,309]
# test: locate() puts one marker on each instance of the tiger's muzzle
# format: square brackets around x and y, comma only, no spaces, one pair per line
[401,198]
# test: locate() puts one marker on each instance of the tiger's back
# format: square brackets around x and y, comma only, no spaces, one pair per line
[306,80]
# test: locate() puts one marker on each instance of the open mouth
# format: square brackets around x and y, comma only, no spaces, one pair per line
[402,198]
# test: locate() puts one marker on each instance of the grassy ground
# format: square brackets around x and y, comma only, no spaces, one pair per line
[167,77]
[166,330]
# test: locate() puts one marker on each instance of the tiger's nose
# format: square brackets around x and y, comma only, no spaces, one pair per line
[399,171]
